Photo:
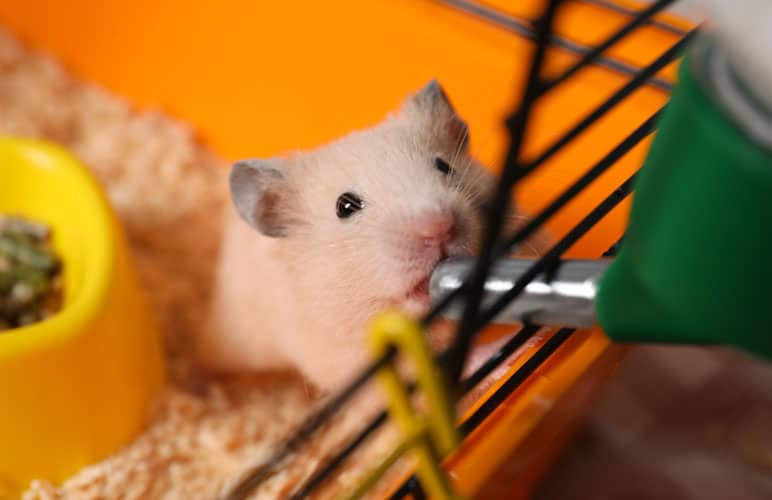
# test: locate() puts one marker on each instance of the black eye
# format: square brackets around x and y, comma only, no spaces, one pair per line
[442,166]
[347,204]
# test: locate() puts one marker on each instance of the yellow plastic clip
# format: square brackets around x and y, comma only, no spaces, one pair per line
[429,435]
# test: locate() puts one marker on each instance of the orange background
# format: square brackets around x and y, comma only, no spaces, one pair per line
[261,78]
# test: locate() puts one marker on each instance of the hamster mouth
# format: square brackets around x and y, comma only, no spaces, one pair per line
[417,300]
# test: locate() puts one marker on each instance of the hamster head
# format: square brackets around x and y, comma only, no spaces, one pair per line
[361,223]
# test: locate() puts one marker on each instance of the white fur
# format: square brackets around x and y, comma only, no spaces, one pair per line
[304,299]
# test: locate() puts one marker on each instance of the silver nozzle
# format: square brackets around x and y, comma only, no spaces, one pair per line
[566,299]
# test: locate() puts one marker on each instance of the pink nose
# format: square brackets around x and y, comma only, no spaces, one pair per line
[435,228]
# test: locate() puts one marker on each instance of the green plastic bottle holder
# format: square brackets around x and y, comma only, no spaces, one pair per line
[696,263]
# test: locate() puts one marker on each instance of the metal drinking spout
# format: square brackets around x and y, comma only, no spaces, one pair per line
[564,298]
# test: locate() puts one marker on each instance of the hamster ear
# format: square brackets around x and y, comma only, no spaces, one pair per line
[432,103]
[261,195]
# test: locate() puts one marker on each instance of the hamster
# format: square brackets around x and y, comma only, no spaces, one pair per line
[318,242]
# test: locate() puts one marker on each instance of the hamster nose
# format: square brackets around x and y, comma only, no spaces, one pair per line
[435,228]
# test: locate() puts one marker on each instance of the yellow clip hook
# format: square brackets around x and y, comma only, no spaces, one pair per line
[426,436]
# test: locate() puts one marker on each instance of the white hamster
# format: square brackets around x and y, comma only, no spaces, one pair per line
[322,240]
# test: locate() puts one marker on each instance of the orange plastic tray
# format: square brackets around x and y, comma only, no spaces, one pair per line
[261,78]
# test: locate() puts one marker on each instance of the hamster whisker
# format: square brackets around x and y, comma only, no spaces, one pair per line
[459,146]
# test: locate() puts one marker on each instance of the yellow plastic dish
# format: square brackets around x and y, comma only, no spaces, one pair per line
[77,386]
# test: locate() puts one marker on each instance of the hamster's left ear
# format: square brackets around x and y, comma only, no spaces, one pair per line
[431,103]
[262,196]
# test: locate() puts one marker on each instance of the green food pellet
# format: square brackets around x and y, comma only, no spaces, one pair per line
[30,273]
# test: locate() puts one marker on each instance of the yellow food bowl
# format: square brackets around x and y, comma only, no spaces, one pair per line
[77,386]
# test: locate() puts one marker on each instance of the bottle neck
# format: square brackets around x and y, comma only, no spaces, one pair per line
[732,89]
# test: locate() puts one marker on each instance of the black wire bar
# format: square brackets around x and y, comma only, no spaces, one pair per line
[525,29]
[497,210]
[621,9]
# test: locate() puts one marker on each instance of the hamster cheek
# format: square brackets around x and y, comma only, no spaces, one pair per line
[328,367]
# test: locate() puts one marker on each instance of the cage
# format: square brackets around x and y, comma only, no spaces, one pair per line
[260,78]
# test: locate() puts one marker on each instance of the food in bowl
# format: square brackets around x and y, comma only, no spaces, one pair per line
[30,273]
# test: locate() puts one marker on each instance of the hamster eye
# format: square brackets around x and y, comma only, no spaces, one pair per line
[347,204]
[442,166]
